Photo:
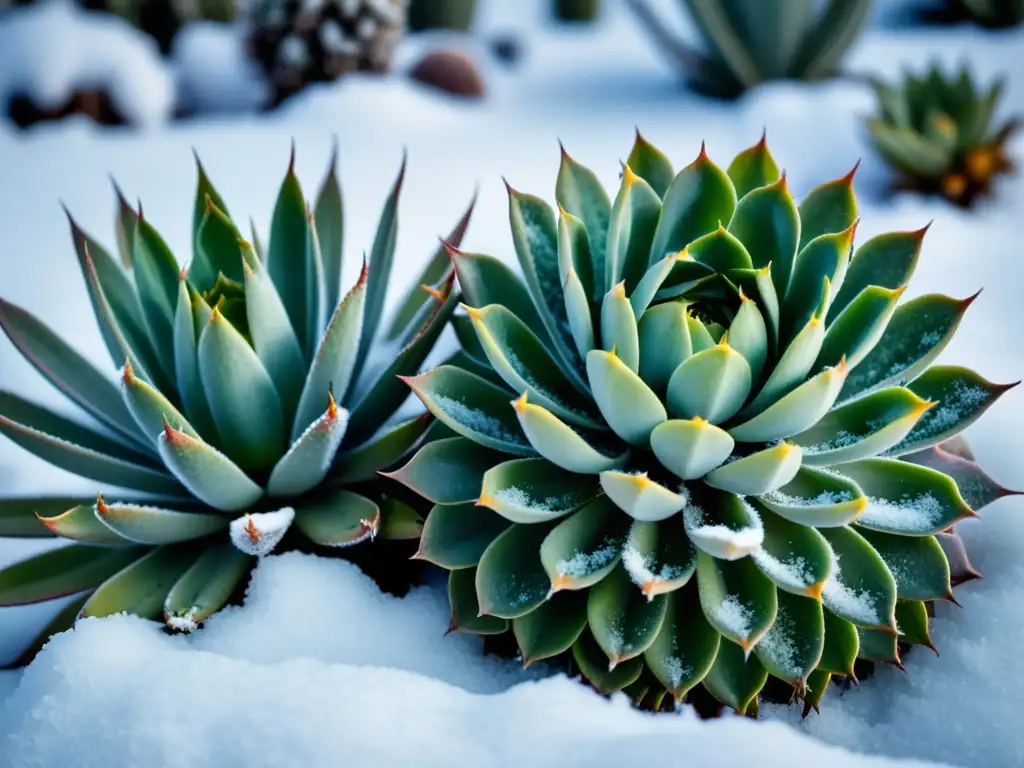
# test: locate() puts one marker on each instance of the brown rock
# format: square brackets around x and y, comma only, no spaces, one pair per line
[450,71]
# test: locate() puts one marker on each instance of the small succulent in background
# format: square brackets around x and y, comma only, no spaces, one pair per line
[938,133]
[747,42]
[297,43]
[577,10]
[254,410]
[699,443]
[994,14]
[441,14]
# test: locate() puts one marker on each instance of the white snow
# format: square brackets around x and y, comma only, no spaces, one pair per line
[299,675]
[53,49]
[258,533]
[916,514]
[213,72]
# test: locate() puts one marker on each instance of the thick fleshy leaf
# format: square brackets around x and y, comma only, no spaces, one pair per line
[510,579]
[399,521]
[814,690]
[623,621]
[824,257]
[456,536]
[650,164]
[759,473]
[486,280]
[533,491]
[142,587]
[797,411]
[861,588]
[700,337]
[885,261]
[752,168]
[286,257]
[795,557]
[817,498]
[857,330]
[206,587]
[259,533]
[60,572]
[564,446]
[767,223]
[191,313]
[640,497]
[962,397]
[976,487]
[520,358]
[735,678]
[862,428]
[690,448]
[448,471]
[917,563]
[585,547]
[154,526]
[842,643]
[552,627]
[124,226]
[719,251]
[758,284]
[207,473]
[738,600]
[150,408]
[329,214]
[613,383]
[634,218]
[204,190]
[580,193]
[309,459]
[685,648]
[21,517]
[712,384]
[748,335]
[65,368]
[472,407]
[664,343]
[878,646]
[659,557]
[723,525]
[618,327]
[650,285]
[383,451]
[81,523]
[917,333]
[466,616]
[912,619]
[792,648]
[339,518]
[576,269]
[156,276]
[217,250]
[827,209]
[906,499]
[593,663]
[699,197]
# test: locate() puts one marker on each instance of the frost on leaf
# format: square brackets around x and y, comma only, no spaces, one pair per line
[257,534]
[795,573]
[722,541]
[917,514]
[182,623]
[844,601]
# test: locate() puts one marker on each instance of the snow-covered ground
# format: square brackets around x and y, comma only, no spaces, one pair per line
[318,667]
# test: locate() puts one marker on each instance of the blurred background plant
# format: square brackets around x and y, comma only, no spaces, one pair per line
[441,14]
[994,14]
[577,10]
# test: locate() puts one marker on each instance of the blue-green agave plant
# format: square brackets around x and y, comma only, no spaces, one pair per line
[698,441]
[253,401]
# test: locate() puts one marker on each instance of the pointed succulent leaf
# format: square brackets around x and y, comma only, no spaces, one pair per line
[664,343]
[63,571]
[242,396]
[792,648]
[691,448]
[738,600]
[912,619]
[878,646]
[309,459]
[650,164]
[448,471]
[552,627]
[580,193]
[205,587]
[593,663]
[885,261]
[564,446]
[486,280]
[906,499]
[204,191]
[712,384]
[577,310]
[618,327]
[650,285]
[723,525]
[21,517]
[659,557]
[510,579]
[456,536]
[752,168]
[862,428]
[861,588]
[824,257]
[640,497]
[860,326]
[748,335]
[719,251]
[217,250]
[365,462]
[817,498]
[208,474]
[735,678]
[759,473]
[286,257]
[584,547]
[828,209]
[685,648]
[142,587]
[797,411]
[144,524]
[908,151]
[917,563]
[767,223]
[150,408]
[614,383]
[339,518]
[977,488]
[575,264]
[623,621]
[533,491]
[795,557]
[466,615]
[259,533]
[186,359]
[634,218]
[124,226]
[758,284]
[842,643]
[699,197]
[156,276]
[330,229]
[399,521]
[700,337]
[962,397]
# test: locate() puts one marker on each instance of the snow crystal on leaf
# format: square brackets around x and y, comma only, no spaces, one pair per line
[823,499]
[844,601]
[954,408]
[521,497]
[728,543]
[677,671]
[477,420]
[777,648]
[257,534]
[639,565]
[842,439]
[584,563]
[912,515]
[734,617]
[794,573]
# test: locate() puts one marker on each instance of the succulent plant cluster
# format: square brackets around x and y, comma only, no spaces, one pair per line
[939,134]
[297,43]
[254,403]
[697,441]
[746,42]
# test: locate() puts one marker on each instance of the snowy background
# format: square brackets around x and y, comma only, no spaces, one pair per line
[320,668]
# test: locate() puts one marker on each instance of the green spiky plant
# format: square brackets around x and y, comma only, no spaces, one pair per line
[253,403]
[747,42]
[698,444]
[938,133]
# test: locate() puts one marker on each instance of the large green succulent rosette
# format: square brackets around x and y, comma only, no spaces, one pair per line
[697,442]
[255,407]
